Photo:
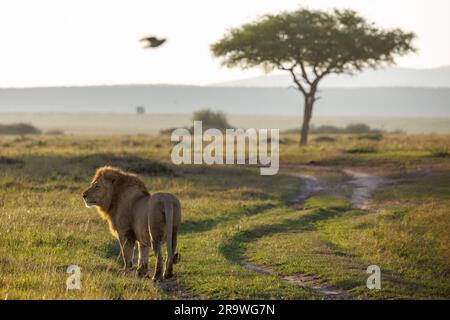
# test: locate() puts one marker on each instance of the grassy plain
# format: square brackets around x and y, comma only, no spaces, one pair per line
[231,214]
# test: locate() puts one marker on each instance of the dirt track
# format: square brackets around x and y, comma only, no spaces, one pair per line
[362,186]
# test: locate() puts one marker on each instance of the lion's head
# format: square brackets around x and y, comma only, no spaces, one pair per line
[108,185]
[101,190]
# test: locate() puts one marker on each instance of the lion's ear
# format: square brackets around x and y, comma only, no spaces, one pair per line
[111,176]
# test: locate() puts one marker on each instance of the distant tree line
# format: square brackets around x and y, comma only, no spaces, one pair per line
[26,129]
[353,128]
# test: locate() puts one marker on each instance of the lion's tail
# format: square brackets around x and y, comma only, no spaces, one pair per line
[168,211]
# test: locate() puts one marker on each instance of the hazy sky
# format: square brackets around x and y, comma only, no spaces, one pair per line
[85,42]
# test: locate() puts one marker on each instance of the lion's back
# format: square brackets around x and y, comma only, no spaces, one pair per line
[149,211]
[157,208]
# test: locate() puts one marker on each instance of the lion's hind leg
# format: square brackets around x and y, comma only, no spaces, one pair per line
[177,255]
[157,276]
[168,272]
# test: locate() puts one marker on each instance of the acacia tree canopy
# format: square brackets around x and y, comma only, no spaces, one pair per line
[311,44]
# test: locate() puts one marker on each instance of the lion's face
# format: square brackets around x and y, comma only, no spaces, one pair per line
[99,193]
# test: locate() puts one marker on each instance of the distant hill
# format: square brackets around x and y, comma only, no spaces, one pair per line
[389,77]
[380,102]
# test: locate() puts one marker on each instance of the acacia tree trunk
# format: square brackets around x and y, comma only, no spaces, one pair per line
[307,114]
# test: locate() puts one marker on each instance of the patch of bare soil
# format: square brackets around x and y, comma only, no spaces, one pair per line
[363,186]
[308,281]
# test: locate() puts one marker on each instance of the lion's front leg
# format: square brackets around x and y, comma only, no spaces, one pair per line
[127,247]
[143,259]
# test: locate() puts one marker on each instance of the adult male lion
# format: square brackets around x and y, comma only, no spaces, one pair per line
[133,215]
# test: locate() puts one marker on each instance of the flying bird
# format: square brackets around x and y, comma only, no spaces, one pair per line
[152,42]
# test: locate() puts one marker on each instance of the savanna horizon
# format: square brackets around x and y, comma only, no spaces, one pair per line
[112,123]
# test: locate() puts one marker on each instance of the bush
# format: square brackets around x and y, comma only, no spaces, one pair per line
[211,119]
[325,139]
[440,153]
[286,141]
[10,161]
[371,136]
[357,128]
[140,110]
[56,132]
[367,149]
[18,128]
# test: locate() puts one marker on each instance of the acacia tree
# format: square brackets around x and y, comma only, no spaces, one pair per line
[310,44]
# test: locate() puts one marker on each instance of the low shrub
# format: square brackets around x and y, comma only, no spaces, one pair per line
[18,128]
[440,153]
[212,119]
[325,139]
[55,132]
[363,149]
[10,161]
[371,136]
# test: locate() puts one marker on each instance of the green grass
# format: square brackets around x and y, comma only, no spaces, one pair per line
[230,214]
[45,226]
[408,239]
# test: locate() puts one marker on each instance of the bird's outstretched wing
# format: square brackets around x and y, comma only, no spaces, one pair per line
[149,39]
[152,42]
